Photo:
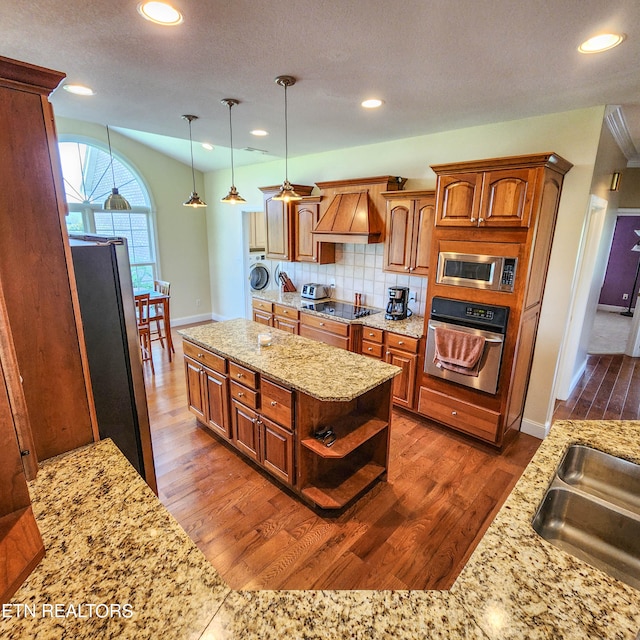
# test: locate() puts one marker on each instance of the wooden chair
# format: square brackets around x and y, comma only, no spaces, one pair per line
[144,327]
[157,311]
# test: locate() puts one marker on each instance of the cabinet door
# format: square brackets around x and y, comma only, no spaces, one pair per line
[195,397]
[245,430]
[399,229]
[257,231]
[263,317]
[423,216]
[277,450]
[507,198]
[279,231]
[404,384]
[459,200]
[216,392]
[285,324]
[306,216]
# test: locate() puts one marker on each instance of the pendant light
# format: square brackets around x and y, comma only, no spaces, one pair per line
[115,202]
[233,197]
[286,193]
[194,201]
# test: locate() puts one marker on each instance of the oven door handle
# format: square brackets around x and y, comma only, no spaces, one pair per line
[497,340]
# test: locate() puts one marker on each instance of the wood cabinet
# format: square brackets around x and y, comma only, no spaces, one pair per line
[409,223]
[262,312]
[306,213]
[492,198]
[324,330]
[275,426]
[207,389]
[280,222]
[372,342]
[257,231]
[402,351]
[512,203]
[286,318]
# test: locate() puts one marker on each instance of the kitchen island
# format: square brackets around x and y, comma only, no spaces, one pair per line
[272,402]
[109,540]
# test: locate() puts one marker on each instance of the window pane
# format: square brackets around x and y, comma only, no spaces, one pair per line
[75,223]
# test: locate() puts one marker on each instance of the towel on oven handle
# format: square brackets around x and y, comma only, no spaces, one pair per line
[458,351]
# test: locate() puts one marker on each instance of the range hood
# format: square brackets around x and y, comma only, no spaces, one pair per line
[350,218]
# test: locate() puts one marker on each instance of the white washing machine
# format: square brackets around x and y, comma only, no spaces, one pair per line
[260,277]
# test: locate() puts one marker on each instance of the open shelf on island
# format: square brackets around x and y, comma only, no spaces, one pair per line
[351,431]
[335,492]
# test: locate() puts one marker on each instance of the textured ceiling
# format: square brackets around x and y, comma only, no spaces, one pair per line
[438,65]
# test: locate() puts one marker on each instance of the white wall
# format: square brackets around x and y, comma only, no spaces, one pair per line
[573,135]
[183,256]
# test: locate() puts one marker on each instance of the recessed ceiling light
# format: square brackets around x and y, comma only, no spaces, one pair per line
[603,42]
[259,132]
[373,103]
[207,146]
[160,13]
[79,89]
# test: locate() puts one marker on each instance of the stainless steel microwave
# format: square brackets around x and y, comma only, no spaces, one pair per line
[495,273]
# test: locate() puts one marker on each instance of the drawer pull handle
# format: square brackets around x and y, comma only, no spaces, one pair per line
[273,403]
[369,348]
[238,375]
[400,341]
[240,394]
[472,219]
[322,324]
[454,413]
[371,334]
[201,355]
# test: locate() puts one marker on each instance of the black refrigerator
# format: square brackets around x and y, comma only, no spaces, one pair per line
[105,292]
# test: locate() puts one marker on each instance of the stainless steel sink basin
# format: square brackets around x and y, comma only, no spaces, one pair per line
[592,510]
[603,475]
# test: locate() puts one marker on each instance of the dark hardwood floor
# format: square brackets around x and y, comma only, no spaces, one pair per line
[414,531]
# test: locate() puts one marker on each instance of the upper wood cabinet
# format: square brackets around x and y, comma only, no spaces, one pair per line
[492,198]
[408,226]
[306,213]
[257,231]
[280,222]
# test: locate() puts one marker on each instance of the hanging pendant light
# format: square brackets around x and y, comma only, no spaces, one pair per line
[286,193]
[115,202]
[194,201]
[233,197]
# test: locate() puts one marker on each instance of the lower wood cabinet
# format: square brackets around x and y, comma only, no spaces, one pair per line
[324,330]
[286,318]
[262,312]
[402,351]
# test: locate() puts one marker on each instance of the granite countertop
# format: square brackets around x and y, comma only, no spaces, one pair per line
[109,540]
[319,370]
[413,326]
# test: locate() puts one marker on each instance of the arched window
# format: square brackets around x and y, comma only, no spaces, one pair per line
[87,177]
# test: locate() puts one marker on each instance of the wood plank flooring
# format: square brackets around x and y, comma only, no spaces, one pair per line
[414,531]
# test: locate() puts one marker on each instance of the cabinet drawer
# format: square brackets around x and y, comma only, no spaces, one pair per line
[244,395]
[277,403]
[286,312]
[324,336]
[461,415]
[398,341]
[372,335]
[244,376]
[263,305]
[324,324]
[371,349]
[211,360]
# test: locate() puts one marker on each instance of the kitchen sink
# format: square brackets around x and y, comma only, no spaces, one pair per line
[592,511]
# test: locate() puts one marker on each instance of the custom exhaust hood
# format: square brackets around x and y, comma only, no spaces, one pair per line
[355,214]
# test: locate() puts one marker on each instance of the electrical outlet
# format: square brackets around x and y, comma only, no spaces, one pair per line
[625,296]
[333,285]
[198,302]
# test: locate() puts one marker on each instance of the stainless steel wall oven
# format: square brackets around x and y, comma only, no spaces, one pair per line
[465,341]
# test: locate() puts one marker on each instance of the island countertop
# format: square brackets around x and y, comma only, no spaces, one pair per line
[316,369]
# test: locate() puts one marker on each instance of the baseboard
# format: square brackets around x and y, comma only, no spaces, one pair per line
[560,394]
[203,317]
[534,429]
[612,308]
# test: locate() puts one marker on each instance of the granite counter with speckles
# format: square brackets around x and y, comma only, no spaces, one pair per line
[413,326]
[108,539]
[319,370]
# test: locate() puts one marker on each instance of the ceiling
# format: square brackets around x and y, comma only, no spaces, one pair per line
[438,65]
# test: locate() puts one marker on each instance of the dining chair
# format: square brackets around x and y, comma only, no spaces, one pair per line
[157,311]
[144,327]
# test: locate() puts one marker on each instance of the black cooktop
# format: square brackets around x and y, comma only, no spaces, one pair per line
[340,309]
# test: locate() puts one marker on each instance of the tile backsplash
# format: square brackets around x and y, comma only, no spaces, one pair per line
[358,269]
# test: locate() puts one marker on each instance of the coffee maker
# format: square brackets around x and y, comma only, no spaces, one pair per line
[398,305]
